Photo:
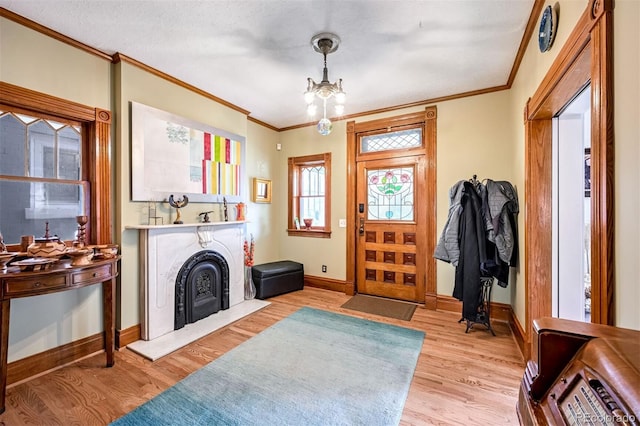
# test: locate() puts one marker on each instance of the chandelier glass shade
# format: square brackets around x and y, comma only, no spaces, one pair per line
[324,91]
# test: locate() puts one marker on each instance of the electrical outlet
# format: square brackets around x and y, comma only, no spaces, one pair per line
[324,268]
[342,223]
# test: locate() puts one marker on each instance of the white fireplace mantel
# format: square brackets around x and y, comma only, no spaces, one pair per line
[163,249]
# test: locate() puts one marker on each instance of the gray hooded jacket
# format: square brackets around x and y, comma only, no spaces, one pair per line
[448,247]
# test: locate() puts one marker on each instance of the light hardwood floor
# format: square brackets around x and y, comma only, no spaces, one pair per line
[469,379]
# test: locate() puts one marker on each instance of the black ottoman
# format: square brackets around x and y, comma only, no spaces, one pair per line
[272,279]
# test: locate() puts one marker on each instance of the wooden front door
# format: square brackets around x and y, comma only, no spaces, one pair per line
[390,220]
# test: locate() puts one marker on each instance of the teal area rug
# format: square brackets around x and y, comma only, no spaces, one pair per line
[311,368]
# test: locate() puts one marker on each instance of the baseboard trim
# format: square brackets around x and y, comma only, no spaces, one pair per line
[499,311]
[431,301]
[128,335]
[520,337]
[326,283]
[54,358]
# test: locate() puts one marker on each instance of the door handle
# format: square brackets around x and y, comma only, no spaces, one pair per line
[361,227]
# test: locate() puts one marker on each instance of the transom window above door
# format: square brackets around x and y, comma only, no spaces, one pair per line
[411,138]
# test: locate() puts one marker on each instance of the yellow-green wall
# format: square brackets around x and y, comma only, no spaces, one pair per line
[532,70]
[136,85]
[534,67]
[626,74]
[32,60]
[481,135]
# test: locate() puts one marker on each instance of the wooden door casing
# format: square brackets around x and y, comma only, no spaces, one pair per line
[428,120]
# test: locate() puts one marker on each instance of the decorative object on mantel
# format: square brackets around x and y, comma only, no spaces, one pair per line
[47,246]
[205,216]
[324,43]
[249,286]
[224,209]
[240,211]
[153,214]
[178,205]
[307,223]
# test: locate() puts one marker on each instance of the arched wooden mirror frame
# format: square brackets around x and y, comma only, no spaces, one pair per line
[586,57]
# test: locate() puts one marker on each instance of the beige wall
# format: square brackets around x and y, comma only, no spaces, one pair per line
[263,161]
[480,135]
[532,70]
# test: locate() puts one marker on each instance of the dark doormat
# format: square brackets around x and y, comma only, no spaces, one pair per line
[381,306]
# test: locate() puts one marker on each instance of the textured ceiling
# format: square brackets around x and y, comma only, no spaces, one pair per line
[256,54]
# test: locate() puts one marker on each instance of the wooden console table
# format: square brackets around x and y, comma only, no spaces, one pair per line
[60,277]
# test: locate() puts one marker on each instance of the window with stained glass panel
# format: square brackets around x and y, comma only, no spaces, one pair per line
[312,191]
[310,195]
[390,194]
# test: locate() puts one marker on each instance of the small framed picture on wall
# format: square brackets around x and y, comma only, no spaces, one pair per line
[261,190]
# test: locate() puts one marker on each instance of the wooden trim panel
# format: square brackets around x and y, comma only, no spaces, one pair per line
[405,106]
[326,283]
[119,57]
[55,358]
[35,101]
[51,33]
[499,311]
[532,26]
[128,335]
[519,336]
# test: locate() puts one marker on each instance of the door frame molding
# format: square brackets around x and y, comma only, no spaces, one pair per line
[586,57]
[428,119]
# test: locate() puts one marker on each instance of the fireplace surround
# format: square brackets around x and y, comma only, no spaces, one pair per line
[166,249]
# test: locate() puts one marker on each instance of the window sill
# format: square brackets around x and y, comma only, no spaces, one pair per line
[313,233]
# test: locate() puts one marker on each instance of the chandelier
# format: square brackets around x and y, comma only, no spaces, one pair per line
[324,43]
